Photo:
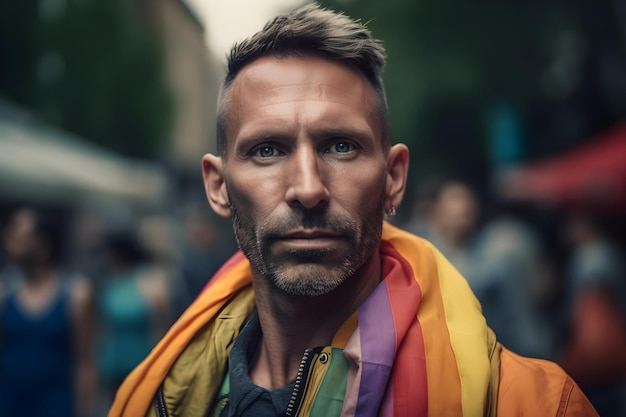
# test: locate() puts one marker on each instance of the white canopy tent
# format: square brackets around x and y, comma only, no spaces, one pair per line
[40,162]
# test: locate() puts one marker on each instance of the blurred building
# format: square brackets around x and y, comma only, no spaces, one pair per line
[43,164]
[193,75]
[76,170]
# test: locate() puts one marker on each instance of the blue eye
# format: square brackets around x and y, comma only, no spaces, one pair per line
[342,147]
[265,151]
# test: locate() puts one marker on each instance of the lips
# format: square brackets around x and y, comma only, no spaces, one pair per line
[309,234]
[308,239]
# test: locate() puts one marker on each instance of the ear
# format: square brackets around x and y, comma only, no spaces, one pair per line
[214,184]
[397,172]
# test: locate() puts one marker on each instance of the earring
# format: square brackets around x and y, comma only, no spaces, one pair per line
[391,212]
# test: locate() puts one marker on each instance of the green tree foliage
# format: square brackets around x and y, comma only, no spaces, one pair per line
[92,67]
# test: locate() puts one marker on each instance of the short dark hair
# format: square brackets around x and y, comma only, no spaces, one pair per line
[309,31]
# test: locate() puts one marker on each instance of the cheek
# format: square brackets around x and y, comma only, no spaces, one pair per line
[361,186]
[254,194]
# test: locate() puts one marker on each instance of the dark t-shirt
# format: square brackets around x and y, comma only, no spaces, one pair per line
[244,397]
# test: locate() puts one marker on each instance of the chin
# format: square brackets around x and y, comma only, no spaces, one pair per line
[310,280]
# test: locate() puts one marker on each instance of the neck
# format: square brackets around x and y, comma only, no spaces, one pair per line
[292,324]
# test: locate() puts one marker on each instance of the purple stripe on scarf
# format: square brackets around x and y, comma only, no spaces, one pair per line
[378,349]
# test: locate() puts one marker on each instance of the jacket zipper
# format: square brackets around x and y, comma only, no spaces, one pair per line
[159,404]
[297,394]
[297,384]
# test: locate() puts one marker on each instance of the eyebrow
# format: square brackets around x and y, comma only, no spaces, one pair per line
[361,135]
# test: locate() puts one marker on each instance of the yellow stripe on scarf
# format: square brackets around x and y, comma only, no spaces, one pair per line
[455,332]
[468,334]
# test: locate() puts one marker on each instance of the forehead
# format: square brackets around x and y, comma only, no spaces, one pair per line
[270,81]
[301,75]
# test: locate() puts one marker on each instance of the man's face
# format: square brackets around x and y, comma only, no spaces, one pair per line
[305,172]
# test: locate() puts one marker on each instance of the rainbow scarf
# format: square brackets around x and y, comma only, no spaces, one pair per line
[421,339]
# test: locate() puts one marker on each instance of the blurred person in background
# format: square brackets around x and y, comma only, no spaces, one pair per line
[86,239]
[594,349]
[501,259]
[133,309]
[453,223]
[46,324]
[203,251]
[514,282]
[425,196]
[160,238]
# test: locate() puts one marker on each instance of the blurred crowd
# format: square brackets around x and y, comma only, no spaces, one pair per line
[82,302]
[551,280]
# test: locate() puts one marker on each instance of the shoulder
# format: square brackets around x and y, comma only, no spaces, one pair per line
[80,292]
[538,387]
[10,280]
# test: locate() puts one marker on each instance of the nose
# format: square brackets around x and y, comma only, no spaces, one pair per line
[307,182]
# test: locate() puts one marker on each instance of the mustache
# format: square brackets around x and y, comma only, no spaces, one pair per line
[308,219]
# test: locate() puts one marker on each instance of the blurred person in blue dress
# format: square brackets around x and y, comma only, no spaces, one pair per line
[46,323]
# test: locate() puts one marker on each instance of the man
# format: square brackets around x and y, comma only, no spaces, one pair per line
[328,310]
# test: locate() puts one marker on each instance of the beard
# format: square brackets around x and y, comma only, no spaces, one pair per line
[309,272]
